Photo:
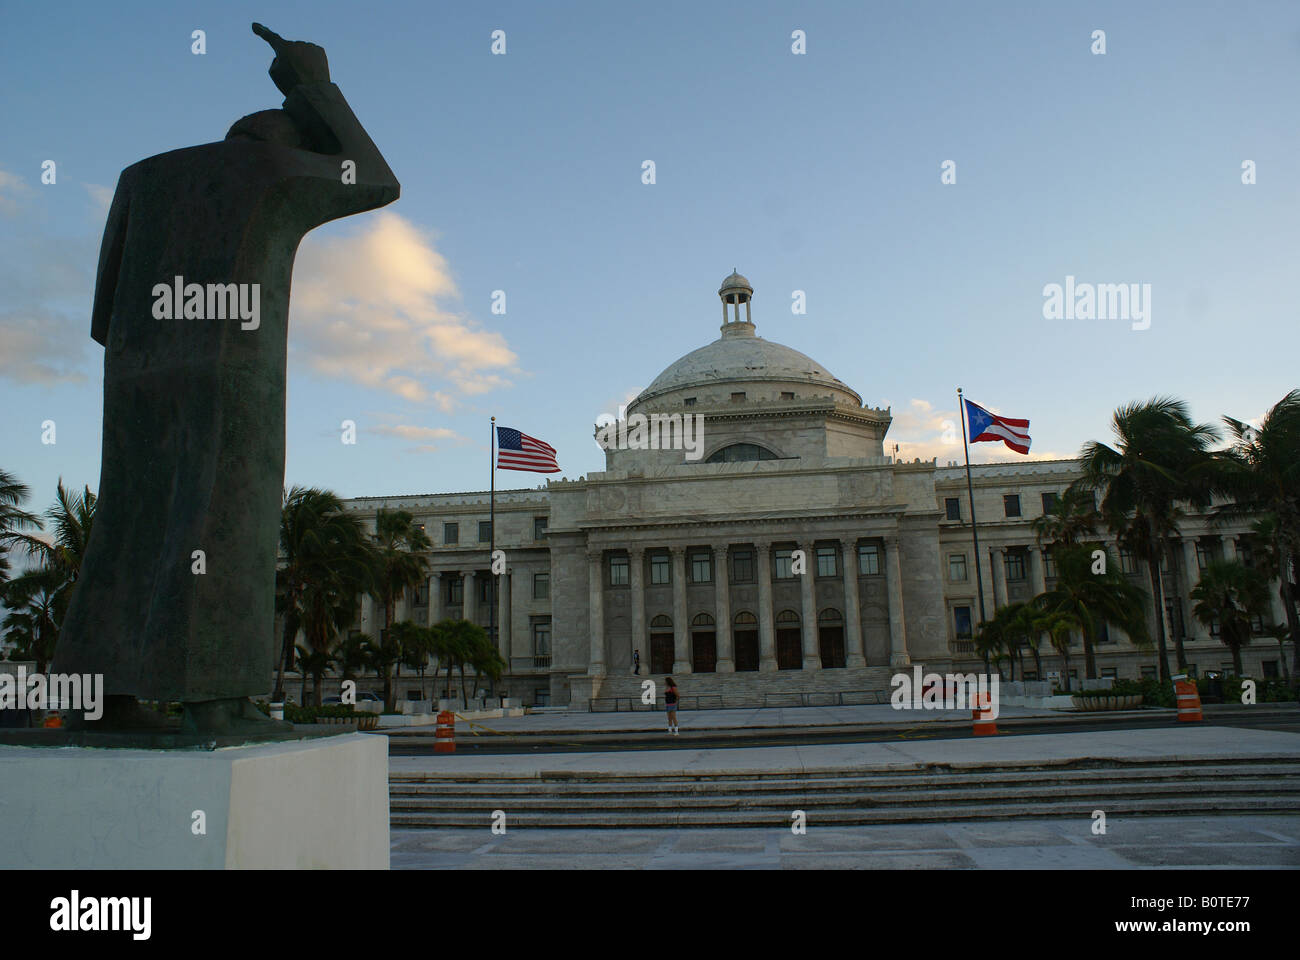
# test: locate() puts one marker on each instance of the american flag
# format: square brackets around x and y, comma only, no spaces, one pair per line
[519,451]
[989,426]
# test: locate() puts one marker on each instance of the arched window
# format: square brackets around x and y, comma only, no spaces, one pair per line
[736,452]
[702,620]
[661,621]
[745,619]
[787,617]
[830,615]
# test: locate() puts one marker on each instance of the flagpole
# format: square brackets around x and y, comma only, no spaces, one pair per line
[970,493]
[492,533]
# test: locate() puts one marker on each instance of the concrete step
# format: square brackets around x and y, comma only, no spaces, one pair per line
[848,798]
[786,783]
[1203,804]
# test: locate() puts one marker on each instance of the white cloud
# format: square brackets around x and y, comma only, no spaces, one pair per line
[368,307]
[925,432]
[101,196]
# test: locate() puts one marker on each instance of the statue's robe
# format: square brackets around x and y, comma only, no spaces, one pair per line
[194,410]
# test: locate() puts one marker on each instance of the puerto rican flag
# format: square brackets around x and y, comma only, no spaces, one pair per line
[989,426]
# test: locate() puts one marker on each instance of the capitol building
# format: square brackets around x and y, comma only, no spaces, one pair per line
[691,557]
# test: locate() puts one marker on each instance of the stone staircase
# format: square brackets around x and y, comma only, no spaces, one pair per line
[779,688]
[886,794]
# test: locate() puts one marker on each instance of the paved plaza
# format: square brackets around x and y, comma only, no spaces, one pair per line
[1134,843]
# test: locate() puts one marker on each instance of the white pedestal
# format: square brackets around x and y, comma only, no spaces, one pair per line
[304,804]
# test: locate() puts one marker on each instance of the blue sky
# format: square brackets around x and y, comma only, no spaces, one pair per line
[818,172]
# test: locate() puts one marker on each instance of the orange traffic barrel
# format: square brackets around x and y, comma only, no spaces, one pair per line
[53,721]
[982,716]
[445,733]
[1189,699]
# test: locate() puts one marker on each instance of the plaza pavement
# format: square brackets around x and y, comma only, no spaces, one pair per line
[1200,741]
[1130,843]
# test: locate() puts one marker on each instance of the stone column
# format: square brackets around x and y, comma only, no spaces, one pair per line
[1191,577]
[681,629]
[722,614]
[853,651]
[469,596]
[1038,564]
[635,566]
[596,618]
[435,597]
[766,634]
[503,616]
[812,658]
[897,636]
[999,572]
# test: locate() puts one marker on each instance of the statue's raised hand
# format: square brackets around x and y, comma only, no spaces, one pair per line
[295,61]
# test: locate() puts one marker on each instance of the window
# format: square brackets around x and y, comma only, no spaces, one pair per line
[1202,555]
[450,533]
[784,561]
[1015,566]
[1270,670]
[618,571]
[953,506]
[787,394]
[1049,502]
[961,621]
[483,586]
[541,586]
[1127,562]
[701,568]
[660,571]
[1011,504]
[1214,627]
[422,593]
[957,566]
[539,527]
[688,402]
[737,452]
[1049,564]
[735,397]
[542,638]
[826,566]
[1109,672]
[1256,625]
[484,531]
[1103,632]
[1245,554]
[742,566]
[456,590]
[1148,673]
[869,560]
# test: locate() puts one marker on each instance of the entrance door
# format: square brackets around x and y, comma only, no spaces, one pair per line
[704,652]
[746,650]
[789,650]
[831,642]
[661,653]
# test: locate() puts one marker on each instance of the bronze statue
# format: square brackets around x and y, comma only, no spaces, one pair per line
[191,305]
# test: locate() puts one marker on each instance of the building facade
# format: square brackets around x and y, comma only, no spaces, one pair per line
[750,537]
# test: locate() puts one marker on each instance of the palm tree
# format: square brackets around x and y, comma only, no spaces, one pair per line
[991,642]
[486,661]
[399,566]
[453,642]
[1090,599]
[1261,473]
[42,592]
[1230,594]
[14,521]
[1060,625]
[323,551]
[1162,458]
[352,656]
[415,642]
[1073,518]
[316,663]
[32,625]
[382,654]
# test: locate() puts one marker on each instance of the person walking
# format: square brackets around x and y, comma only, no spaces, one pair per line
[636,662]
[670,704]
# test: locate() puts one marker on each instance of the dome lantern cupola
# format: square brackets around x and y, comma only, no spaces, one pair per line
[734,291]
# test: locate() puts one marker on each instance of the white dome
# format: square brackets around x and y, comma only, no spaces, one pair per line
[740,356]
